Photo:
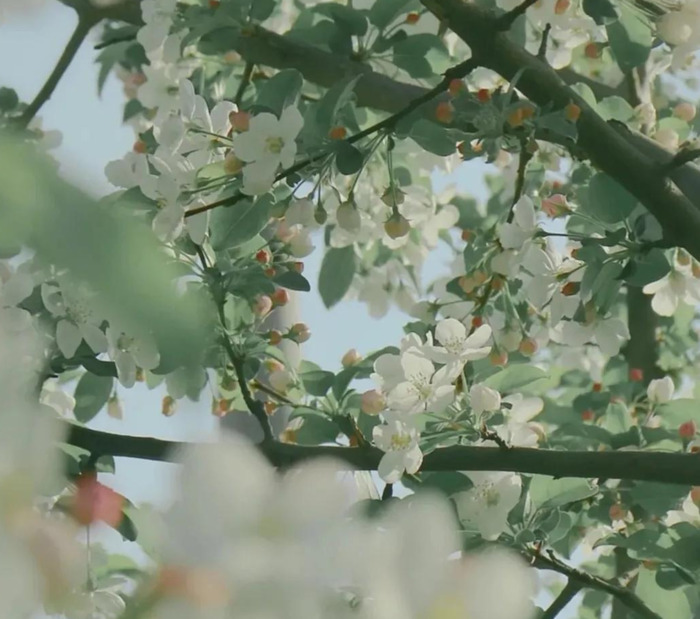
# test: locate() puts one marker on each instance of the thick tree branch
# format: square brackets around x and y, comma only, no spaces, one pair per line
[607,149]
[635,465]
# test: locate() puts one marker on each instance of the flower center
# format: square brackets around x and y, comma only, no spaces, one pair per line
[274,145]
[400,441]
[490,495]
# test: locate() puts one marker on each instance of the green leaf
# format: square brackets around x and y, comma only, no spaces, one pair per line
[337,272]
[8,99]
[548,492]
[383,12]
[91,394]
[97,367]
[615,108]
[432,137]
[234,225]
[315,380]
[127,528]
[411,54]
[647,268]
[317,428]
[617,418]
[630,38]
[280,91]
[602,11]
[348,159]
[607,200]
[335,99]
[349,20]
[676,412]
[293,281]
[515,377]
[666,603]
[657,498]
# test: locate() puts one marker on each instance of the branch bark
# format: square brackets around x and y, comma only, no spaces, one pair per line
[634,465]
[608,149]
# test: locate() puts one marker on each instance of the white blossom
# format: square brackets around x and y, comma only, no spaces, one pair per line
[484,399]
[457,346]
[399,442]
[268,143]
[487,505]
[515,234]
[660,390]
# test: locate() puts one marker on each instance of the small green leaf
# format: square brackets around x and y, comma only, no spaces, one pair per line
[433,137]
[383,12]
[236,224]
[515,377]
[337,272]
[348,159]
[647,268]
[602,11]
[607,200]
[91,394]
[630,38]
[317,428]
[293,281]
[548,492]
[280,91]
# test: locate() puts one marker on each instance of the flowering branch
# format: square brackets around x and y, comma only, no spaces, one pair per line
[607,148]
[460,70]
[655,466]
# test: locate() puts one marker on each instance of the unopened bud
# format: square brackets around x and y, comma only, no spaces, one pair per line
[168,406]
[351,357]
[300,332]
[240,121]
[687,430]
[372,402]
[397,226]
[114,408]
[348,216]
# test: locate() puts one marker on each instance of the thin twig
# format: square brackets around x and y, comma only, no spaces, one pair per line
[682,157]
[542,51]
[245,81]
[459,71]
[524,159]
[568,593]
[505,21]
[626,596]
[85,23]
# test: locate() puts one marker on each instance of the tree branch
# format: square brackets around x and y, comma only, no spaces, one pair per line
[86,20]
[607,149]
[626,596]
[568,593]
[656,466]
[505,21]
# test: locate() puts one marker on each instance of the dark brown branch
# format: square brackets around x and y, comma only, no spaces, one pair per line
[607,149]
[542,51]
[635,465]
[245,81]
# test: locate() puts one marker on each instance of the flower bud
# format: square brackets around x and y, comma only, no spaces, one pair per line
[168,406]
[636,375]
[240,121]
[397,226]
[556,206]
[263,305]
[351,357]
[348,216]
[337,133]
[274,337]
[280,297]
[687,430]
[685,111]
[483,398]
[114,408]
[445,112]
[280,380]
[393,197]
[372,402]
[232,164]
[660,390]
[300,332]
[528,347]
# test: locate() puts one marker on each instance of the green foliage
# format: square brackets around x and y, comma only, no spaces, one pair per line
[279,91]
[337,272]
[91,395]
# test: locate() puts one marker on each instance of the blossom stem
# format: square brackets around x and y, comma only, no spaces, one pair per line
[245,81]
[86,20]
